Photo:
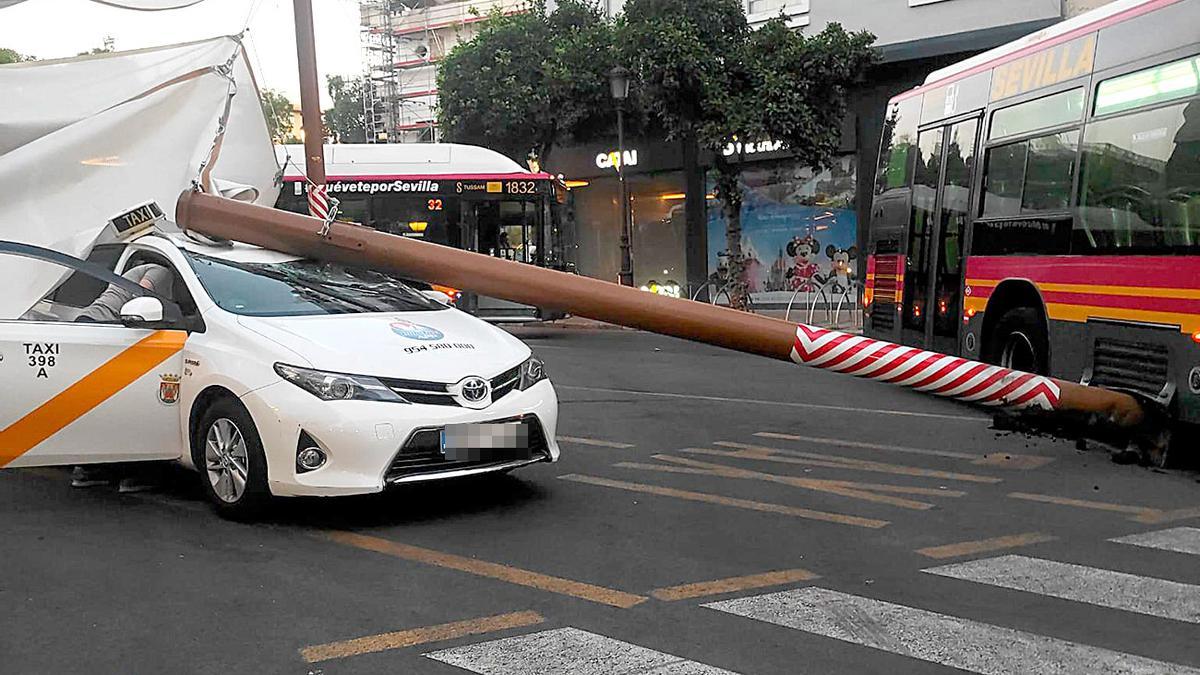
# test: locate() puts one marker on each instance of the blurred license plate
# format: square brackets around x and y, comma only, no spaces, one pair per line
[485,442]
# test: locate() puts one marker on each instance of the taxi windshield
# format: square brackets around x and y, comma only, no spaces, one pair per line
[303,287]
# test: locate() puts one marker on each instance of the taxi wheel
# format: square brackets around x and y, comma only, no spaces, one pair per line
[229,455]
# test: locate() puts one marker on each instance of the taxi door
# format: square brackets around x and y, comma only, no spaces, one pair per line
[85,393]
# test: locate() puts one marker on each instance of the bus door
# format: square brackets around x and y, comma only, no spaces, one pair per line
[941,202]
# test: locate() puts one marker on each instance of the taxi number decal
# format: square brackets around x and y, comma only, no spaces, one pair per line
[42,355]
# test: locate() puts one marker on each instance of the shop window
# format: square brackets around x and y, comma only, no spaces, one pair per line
[1141,183]
[1159,84]
[1042,113]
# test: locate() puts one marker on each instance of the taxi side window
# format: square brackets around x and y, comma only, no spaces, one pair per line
[81,288]
[178,293]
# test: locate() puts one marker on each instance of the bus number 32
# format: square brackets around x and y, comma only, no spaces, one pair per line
[435,205]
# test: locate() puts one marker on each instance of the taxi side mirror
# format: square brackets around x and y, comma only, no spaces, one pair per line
[141,311]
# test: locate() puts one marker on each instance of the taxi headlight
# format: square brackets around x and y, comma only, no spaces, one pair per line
[337,386]
[532,372]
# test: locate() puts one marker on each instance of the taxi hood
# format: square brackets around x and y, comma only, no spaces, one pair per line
[438,346]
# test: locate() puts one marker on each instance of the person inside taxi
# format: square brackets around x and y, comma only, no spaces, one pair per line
[135,477]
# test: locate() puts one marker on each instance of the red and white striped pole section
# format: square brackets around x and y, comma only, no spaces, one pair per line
[925,371]
[310,110]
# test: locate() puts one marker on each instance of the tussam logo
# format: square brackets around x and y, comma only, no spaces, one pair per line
[370,187]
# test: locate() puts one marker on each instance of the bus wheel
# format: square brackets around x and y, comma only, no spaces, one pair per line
[1019,341]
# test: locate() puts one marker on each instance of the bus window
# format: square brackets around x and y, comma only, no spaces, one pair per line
[1030,177]
[925,181]
[956,191]
[1042,113]
[1141,182]
[1160,84]
[899,136]
[1002,182]
[1049,172]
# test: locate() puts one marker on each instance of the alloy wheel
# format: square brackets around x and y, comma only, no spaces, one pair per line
[226,460]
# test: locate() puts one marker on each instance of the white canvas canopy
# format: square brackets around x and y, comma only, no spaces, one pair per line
[84,139]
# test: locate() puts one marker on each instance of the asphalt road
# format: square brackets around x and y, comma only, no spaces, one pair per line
[712,512]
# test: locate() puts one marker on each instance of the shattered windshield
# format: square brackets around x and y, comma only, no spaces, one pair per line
[303,287]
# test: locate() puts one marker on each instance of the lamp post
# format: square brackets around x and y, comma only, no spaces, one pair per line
[618,80]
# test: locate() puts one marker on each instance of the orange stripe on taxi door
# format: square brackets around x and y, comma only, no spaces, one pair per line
[83,396]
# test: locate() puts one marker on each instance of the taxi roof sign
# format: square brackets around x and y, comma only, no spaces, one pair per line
[136,220]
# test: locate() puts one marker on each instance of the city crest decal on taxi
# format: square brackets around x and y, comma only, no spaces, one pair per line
[168,389]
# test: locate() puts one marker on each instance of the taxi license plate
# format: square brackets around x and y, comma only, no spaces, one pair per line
[486,442]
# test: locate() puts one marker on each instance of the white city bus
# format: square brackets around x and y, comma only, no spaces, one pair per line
[463,196]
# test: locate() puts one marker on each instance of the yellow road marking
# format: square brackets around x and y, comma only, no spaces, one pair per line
[983,545]
[1169,516]
[866,446]
[707,498]
[512,575]
[1141,513]
[89,392]
[419,636]
[758,452]
[748,582]
[595,442]
[854,490]
[1006,460]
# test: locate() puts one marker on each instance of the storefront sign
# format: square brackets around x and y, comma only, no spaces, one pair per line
[612,160]
[739,148]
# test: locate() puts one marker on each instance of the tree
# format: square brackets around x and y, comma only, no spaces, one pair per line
[706,75]
[278,110]
[530,81]
[107,46]
[13,56]
[344,122]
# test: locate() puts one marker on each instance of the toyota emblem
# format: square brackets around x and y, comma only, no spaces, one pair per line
[474,389]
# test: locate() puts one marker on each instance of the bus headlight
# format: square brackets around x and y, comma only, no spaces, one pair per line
[337,386]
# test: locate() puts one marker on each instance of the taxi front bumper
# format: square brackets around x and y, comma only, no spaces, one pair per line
[363,440]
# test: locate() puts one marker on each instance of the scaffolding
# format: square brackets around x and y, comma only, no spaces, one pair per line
[403,40]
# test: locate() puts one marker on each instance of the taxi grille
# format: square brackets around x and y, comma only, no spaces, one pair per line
[422,452]
[438,393]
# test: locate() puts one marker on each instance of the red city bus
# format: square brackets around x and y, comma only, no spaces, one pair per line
[456,195]
[1038,206]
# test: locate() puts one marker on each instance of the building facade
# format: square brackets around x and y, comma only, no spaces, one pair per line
[797,223]
[403,41]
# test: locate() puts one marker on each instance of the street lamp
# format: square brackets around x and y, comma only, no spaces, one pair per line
[618,80]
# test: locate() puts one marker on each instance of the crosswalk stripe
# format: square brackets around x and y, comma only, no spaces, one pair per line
[1177,539]
[1094,586]
[937,638]
[568,651]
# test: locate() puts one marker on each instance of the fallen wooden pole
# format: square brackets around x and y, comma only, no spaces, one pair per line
[937,374]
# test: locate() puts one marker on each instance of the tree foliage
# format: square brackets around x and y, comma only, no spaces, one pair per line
[13,56]
[530,81]
[345,121]
[704,73]
[278,110]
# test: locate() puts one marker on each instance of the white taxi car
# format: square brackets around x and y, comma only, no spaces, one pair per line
[268,374]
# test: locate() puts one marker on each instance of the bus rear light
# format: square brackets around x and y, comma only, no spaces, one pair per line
[968,315]
[1196,337]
